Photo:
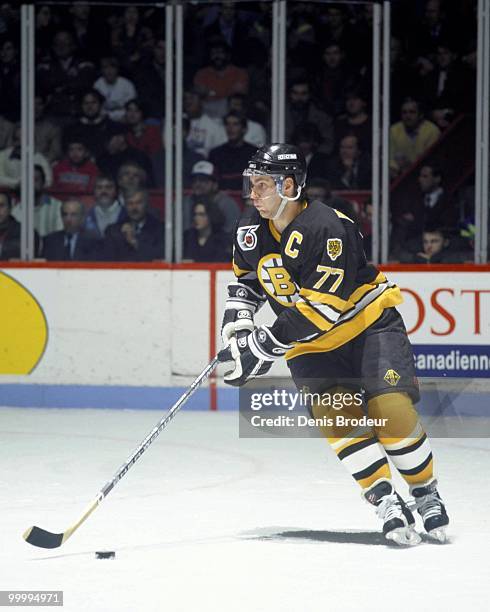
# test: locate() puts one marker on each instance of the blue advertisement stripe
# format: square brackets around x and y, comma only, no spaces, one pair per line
[456,360]
[110,397]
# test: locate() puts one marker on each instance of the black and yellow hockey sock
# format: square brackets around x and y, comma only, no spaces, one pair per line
[402,436]
[357,447]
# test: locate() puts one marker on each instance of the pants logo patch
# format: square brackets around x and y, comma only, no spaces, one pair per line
[392,377]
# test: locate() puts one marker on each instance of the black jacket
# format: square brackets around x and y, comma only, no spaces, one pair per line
[150,242]
[87,247]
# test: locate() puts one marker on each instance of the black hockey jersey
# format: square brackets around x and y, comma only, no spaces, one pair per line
[315,276]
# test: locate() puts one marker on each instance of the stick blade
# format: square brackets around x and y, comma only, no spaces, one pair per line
[42,538]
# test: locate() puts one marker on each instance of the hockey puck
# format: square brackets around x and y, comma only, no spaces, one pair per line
[105,554]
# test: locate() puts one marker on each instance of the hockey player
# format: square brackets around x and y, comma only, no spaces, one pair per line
[336,322]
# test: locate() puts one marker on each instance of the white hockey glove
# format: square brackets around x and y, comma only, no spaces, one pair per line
[255,358]
[241,305]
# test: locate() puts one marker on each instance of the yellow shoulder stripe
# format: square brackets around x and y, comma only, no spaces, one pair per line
[342,216]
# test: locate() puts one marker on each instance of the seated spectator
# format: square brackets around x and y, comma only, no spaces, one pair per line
[205,184]
[106,209]
[230,158]
[10,163]
[435,249]
[149,80]
[335,78]
[206,241]
[92,125]
[140,135]
[125,36]
[47,134]
[72,243]
[205,133]
[449,88]
[429,31]
[117,90]
[118,152]
[351,168]
[230,25]
[76,172]
[404,78]
[319,189]
[307,137]
[9,78]
[6,132]
[300,108]
[410,137]
[255,133]
[47,210]
[433,208]
[9,230]
[356,120]
[90,31]
[140,237]
[338,30]
[130,177]
[219,79]
[64,76]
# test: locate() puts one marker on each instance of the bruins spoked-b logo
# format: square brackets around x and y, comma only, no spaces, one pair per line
[247,237]
[392,377]
[334,248]
[276,280]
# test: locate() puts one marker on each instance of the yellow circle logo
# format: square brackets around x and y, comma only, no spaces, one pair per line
[276,280]
[24,332]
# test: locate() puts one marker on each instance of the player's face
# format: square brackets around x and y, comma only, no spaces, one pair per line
[264,195]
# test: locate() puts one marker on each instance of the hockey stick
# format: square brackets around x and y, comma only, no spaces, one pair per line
[45,539]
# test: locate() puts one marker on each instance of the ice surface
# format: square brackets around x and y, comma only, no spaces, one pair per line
[206,521]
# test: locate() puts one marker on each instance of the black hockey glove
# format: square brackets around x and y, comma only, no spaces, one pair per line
[255,358]
[241,306]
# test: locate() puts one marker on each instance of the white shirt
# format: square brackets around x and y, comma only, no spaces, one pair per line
[116,95]
[205,134]
[255,133]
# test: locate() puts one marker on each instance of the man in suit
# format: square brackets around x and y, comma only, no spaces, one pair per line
[139,237]
[72,243]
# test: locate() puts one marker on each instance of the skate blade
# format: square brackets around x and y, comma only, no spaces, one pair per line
[404,536]
[439,535]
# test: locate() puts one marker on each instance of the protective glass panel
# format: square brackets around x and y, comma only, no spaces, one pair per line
[227,93]
[432,133]
[328,105]
[10,110]
[98,129]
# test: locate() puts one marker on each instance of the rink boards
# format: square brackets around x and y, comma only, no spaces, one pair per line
[127,337]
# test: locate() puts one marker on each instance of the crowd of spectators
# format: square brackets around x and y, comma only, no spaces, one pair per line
[99,112]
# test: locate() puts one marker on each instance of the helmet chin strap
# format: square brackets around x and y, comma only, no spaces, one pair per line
[283,203]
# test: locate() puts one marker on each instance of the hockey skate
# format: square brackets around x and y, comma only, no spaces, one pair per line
[398,521]
[429,505]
